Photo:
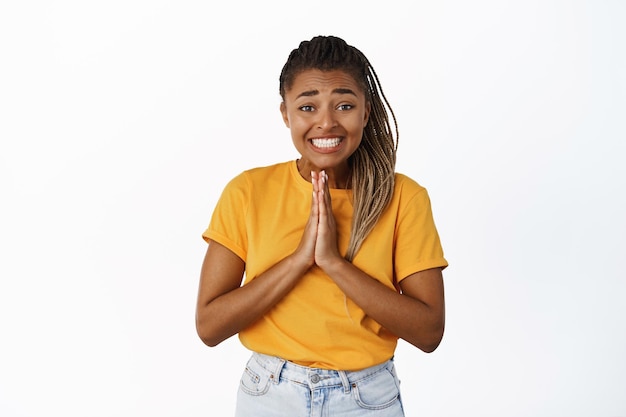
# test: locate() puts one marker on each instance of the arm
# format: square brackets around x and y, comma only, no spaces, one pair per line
[224,307]
[417,315]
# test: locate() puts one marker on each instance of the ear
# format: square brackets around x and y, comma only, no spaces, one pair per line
[368,109]
[283,111]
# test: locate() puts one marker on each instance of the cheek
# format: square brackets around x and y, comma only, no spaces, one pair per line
[297,131]
[356,127]
[298,125]
[356,122]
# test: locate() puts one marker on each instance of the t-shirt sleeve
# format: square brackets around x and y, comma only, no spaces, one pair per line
[228,222]
[417,245]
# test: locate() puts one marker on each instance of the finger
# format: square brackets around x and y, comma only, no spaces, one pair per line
[322,186]
[325,198]
[314,181]
[326,190]
[315,202]
[313,222]
[315,176]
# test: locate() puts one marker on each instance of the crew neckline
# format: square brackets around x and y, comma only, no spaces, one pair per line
[334,192]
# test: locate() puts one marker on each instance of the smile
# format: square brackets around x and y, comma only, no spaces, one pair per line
[326,143]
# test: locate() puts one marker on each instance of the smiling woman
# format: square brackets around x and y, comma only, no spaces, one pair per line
[340,253]
[326,112]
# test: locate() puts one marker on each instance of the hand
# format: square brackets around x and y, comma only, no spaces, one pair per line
[326,248]
[305,252]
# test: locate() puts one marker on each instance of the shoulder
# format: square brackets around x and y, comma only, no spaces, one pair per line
[268,171]
[244,188]
[405,186]
[408,194]
[260,175]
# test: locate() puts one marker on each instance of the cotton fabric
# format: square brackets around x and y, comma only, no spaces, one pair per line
[261,216]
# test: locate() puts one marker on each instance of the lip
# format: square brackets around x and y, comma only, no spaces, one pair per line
[329,149]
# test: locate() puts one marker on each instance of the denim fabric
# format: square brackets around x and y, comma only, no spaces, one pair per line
[273,387]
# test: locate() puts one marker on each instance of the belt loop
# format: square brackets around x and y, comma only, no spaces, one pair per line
[344,381]
[279,364]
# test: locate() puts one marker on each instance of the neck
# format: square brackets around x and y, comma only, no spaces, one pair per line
[338,177]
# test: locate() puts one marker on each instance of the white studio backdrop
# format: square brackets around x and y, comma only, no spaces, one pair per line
[121,121]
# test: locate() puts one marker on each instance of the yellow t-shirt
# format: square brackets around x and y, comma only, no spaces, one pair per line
[261,216]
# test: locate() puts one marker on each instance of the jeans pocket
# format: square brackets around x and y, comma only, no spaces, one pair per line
[255,379]
[377,392]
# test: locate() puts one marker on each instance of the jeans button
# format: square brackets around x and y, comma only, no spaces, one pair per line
[315,378]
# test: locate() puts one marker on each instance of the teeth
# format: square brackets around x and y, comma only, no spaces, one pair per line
[326,143]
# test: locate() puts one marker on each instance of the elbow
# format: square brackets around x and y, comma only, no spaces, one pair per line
[208,337]
[430,342]
[434,337]
[209,341]
[431,346]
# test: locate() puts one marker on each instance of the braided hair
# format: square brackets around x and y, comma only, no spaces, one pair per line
[373,164]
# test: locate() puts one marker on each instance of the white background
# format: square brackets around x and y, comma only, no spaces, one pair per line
[121,121]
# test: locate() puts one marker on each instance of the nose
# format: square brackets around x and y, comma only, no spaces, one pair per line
[326,119]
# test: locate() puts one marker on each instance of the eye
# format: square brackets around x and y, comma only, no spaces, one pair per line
[306,108]
[344,107]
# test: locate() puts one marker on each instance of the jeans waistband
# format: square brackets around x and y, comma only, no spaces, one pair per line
[315,377]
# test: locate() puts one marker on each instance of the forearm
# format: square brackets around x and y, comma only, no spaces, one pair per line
[407,317]
[233,311]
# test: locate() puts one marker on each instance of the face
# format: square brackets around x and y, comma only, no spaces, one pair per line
[326,112]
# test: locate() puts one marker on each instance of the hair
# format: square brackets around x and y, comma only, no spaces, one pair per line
[372,165]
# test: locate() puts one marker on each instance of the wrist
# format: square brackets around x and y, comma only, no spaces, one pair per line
[299,263]
[333,265]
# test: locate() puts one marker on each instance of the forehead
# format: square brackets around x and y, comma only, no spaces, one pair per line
[323,81]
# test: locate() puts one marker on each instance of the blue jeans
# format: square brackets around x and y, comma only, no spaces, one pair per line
[273,387]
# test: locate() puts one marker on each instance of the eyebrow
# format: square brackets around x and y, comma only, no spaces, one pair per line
[311,93]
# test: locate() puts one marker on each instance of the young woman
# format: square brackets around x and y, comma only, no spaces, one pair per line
[340,254]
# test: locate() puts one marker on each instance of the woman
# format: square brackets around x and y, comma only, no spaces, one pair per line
[340,254]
